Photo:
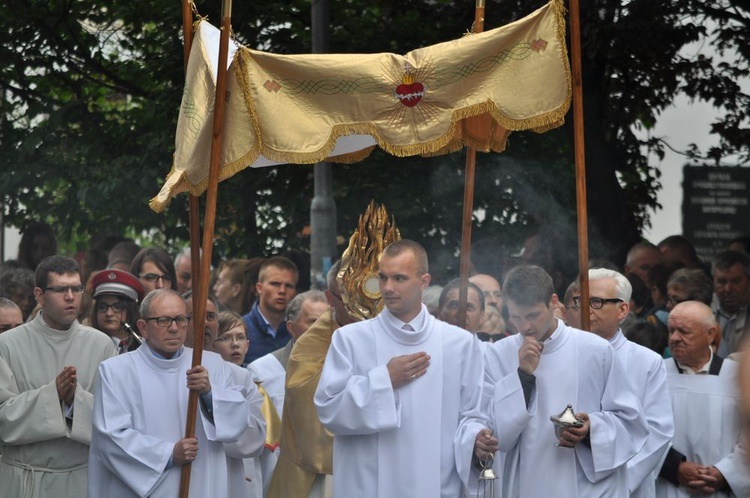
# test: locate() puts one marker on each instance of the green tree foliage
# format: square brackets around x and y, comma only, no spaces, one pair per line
[91,92]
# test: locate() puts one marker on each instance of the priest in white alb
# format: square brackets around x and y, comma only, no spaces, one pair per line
[535,375]
[608,307]
[137,445]
[401,393]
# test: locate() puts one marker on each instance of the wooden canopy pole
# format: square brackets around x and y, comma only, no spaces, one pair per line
[471,162]
[194,209]
[187,30]
[194,212]
[580,158]
[200,292]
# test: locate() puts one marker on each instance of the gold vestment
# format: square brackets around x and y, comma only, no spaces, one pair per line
[306,446]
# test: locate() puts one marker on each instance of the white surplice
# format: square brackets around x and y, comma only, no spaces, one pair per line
[416,441]
[140,411]
[43,454]
[576,368]
[250,443]
[648,379]
[707,426]
[272,376]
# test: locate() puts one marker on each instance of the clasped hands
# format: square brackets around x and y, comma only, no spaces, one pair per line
[704,479]
[65,383]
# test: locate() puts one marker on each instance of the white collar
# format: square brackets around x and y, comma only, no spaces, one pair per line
[702,370]
[416,324]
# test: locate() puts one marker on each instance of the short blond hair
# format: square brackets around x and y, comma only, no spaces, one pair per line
[400,246]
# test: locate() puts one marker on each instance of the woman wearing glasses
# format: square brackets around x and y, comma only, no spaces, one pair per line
[154,268]
[115,311]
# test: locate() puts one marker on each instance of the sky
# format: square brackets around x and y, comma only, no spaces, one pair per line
[680,125]
[11,238]
[683,123]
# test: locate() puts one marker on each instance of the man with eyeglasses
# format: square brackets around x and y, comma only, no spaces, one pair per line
[47,377]
[536,374]
[608,307]
[10,315]
[137,445]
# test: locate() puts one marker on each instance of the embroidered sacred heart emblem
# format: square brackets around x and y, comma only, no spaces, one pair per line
[409,92]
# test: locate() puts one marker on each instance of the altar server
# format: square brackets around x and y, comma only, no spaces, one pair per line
[401,392]
[48,370]
[608,307]
[534,375]
[137,445]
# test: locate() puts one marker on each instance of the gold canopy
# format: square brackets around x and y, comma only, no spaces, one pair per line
[308,108]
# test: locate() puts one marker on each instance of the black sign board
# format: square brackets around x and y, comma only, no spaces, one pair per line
[715,207]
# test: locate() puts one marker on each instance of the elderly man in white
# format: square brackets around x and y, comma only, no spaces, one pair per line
[608,307]
[705,458]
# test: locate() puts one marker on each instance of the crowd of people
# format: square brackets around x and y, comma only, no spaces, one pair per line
[380,385]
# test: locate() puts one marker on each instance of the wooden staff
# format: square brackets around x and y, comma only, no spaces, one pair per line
[194,209]
[580,158]
[471,162]
[194,214]
[200,292]
[187,30]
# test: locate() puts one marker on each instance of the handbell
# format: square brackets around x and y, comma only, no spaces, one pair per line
[487,474]
[486,479]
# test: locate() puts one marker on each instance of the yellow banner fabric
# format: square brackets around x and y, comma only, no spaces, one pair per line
[307,108]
